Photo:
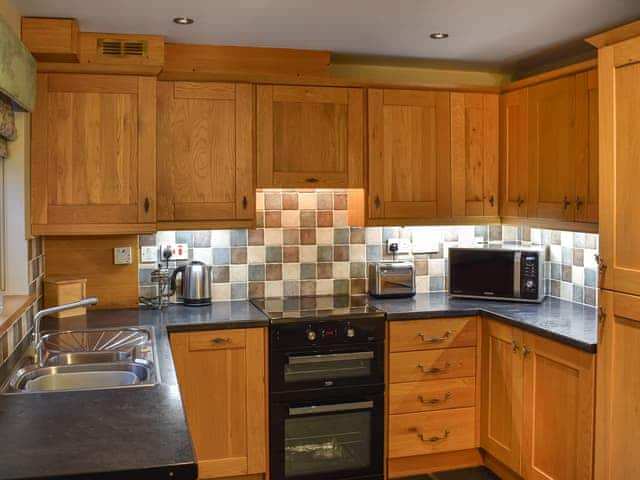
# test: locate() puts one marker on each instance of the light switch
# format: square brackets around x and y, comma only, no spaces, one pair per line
[122,256]
[148,254]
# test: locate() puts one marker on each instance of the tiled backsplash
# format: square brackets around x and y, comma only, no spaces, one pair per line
[304,246]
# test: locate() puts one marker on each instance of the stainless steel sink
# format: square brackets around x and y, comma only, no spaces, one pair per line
[88,359]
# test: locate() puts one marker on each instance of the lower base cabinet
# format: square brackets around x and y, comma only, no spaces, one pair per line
[222,379]
[537,415]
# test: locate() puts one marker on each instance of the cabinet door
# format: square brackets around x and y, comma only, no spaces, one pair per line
[586,200]
[474,154]
[205,154]
[409,155]
[552,149]
[619,86]
[501,415]
[93,155]
[310,137]
[514,153]
[558,411]
[222,382]
[618,389]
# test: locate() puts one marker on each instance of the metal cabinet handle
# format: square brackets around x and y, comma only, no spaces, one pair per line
[435,401]
[579,203]
[602,314]
[514,346]
[602,265]
[435,438]
[245,202]
[220,340]
[565,203]
[441,339]
[492,200]
[147,204]
[335,407]
[519,201]
[434,370]
[311,180]
[376,201]
[525,351]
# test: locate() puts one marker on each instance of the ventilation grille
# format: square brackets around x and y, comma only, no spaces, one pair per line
[121,48]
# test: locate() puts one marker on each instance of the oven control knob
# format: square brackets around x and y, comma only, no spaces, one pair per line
[529,284]
[311,335]
[351,332]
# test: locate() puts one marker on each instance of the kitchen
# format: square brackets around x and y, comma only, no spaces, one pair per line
[314,242]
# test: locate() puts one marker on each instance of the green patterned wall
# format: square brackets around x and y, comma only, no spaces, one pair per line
[17,69]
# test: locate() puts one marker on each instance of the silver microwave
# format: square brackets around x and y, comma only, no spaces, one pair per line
[497,272]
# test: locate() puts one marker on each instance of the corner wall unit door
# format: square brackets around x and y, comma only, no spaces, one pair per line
[618,389]
[474,154]
[222,378]
[619,71]
[93,155]
[514,153]
[206,155]
[311,137]
[409,156]
[552,149]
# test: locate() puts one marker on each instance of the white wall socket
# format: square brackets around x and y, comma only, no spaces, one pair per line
[148,254]
[404,245]
[179,251]
[122,256]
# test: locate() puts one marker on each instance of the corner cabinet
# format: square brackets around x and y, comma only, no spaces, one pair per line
[93,155]
[222,379]
[310,137]
[537,404]
[409,157]
[206,160]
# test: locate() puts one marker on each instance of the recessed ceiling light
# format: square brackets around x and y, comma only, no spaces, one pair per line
[183,20]
[439,35]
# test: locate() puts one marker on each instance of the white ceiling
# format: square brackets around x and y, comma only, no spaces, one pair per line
[497,32]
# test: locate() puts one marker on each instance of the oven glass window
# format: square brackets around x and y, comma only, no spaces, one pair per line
[306,368]
[327,443]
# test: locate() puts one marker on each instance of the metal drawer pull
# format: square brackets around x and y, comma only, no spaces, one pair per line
[335,407]
[332,357]
[441,339]
[311,180]
[514,346]
[435,401]
[525,350]
[435,438]
[220,340]
[434,370]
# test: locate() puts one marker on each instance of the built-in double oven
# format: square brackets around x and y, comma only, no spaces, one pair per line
[327,399]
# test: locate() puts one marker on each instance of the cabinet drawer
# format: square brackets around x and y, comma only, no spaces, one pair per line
[433,334]
[432,364]
[432,395]
[431,432]
[217,340]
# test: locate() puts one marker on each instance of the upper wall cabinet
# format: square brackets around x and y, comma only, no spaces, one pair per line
[205,155]
[93,155]
[474,154]
[514,153]
[409,156]
[310,137]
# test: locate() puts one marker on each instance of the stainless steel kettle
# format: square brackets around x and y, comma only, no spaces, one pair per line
[196,283]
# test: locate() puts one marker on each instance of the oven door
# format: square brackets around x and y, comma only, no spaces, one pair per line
[327,367]
[340,437]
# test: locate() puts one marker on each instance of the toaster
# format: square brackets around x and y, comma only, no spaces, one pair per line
[392,279]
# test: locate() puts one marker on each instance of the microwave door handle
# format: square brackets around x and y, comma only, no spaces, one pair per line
[517,270]
[332,408]
[332,357]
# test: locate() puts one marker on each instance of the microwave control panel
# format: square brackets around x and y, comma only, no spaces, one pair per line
[529,275]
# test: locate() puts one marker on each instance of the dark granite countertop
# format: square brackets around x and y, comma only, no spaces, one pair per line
[135,433]
[566,322]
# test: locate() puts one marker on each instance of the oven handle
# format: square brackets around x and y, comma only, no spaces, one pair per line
[331,357]
[335,407]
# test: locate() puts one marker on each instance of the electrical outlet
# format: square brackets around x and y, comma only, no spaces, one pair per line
[398,245]
[179,251]
[148,254]
[122,256]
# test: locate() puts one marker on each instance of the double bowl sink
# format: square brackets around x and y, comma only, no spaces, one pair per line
[88,359]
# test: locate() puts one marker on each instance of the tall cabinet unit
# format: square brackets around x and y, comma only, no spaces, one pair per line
[93,155]
[206,160]
[617,416]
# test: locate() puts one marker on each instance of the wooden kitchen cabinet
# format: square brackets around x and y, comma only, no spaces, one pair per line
[409,157]
[206,157]
[514,152]
[537,404]
[474,154]
[93,155]
[222,379]
[310,137]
